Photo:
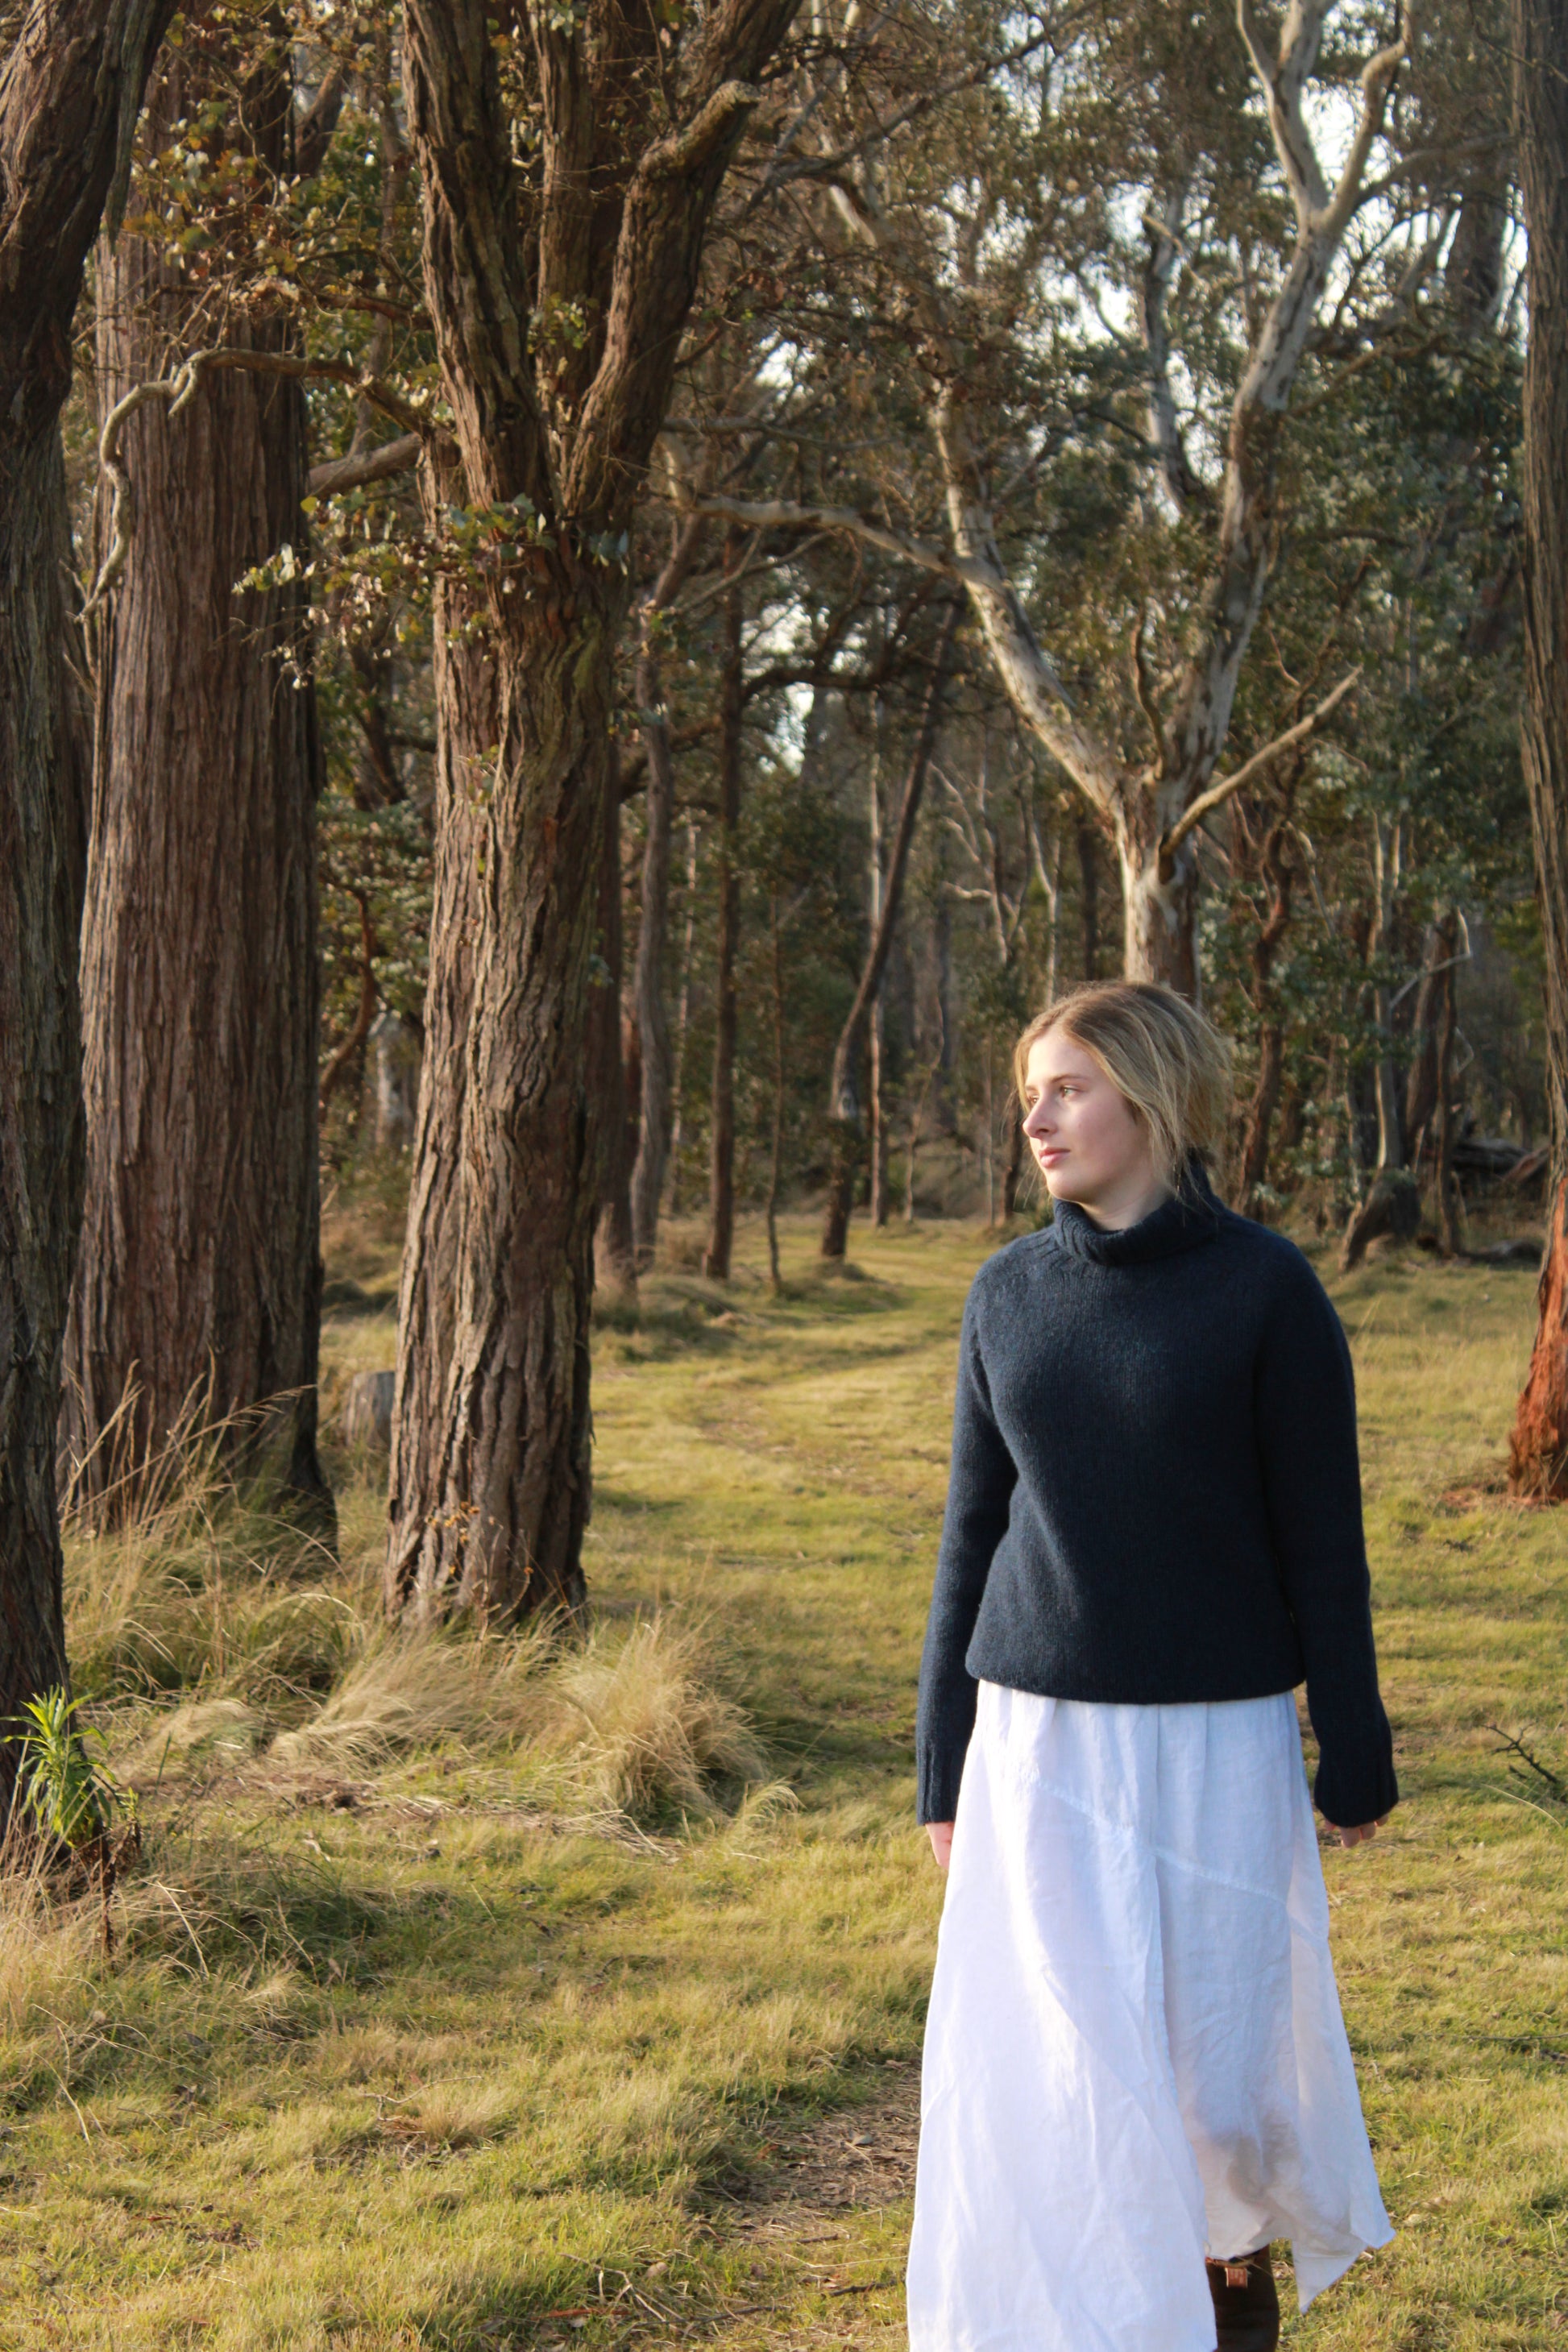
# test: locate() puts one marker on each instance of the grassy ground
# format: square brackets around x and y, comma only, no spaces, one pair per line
[416,2036]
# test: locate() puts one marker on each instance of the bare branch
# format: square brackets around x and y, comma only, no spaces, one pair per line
[314,132]
[1283,80]
[1376,81]
[784,514]
[686,149]
[1028,677]
[335,475]
[1205,805]
[1186,488]
[176,391]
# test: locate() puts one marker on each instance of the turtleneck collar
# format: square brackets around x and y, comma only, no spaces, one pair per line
[1191,1215]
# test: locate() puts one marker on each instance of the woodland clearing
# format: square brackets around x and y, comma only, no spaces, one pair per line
[437,2018]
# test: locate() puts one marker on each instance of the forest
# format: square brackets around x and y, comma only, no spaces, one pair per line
[598,600]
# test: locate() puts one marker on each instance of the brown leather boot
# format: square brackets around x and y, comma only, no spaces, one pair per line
[1246,2302]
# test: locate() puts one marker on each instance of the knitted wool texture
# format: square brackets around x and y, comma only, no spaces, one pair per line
[1154,1493]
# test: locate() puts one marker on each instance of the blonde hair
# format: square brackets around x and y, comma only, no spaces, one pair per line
[1169,1064]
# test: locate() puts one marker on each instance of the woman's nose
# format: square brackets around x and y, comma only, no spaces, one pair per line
[1038,1120]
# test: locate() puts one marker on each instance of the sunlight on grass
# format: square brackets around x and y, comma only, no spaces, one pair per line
[467,1982]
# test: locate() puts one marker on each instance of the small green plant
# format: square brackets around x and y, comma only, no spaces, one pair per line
[66,1794]
[62,1791]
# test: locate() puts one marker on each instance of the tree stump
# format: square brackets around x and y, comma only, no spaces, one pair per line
[367,1410]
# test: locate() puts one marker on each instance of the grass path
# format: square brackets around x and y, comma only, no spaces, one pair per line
[431,2069]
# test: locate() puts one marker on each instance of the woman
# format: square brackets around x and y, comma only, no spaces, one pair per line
[1136,2072]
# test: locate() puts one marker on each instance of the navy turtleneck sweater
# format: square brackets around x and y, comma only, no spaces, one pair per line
[1154,1493]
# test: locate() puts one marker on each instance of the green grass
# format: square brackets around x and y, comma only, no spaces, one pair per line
[419,2049]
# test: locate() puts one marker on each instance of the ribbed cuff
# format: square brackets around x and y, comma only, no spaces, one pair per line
[1356,1786]
[940,1771]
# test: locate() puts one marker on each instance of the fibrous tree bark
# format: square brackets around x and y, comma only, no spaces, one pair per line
[200,1275]
[70,88]
[1538,1452]
[558,284]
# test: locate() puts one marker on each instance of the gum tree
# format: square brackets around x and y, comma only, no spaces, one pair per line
[956,245]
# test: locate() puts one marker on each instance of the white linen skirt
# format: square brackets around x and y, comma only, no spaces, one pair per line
[1134,2055]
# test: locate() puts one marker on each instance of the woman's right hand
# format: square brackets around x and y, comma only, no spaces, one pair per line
[940,1835]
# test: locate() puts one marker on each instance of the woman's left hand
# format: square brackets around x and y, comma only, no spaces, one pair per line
[1367,1830]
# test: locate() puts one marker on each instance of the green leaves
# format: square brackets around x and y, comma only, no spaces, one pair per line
[63,1791]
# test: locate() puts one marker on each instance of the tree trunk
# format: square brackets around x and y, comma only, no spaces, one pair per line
[656,1087]
[469,705]
[844,1089]
[721,1134]
[490,1460]
[614,1260]
[775,1153]
[1538,1452]
[1433,1023]
[655,1074]
[875,1041]
[1450,1206]
[1088,895]
[70,95]
[876,1117]
[200,1275]
[631,129]
[1253,1174]
[1159,897]
[43,808]
[1013,1174]
[1393,1204]
[683,1015]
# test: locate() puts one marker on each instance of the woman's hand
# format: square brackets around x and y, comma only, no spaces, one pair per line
[1367,1830]
[940,1835]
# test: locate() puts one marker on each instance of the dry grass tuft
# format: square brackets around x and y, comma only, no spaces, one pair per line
[46,1949]
[646,1724]
[426,1690]
[634,1723]
[215,1731]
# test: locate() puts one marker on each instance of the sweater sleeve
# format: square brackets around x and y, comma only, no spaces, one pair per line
[979,1498]
[1307,1435]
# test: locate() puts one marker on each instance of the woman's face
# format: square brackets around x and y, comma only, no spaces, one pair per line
[1088,1143]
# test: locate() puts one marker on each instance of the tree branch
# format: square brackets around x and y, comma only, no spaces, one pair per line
[1376,81]
[784,514]
[335,475]
[1144,687]
[1186,488]
[343,1054]
[843,1091]
[1205,805]
[180,388]
[686,149]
